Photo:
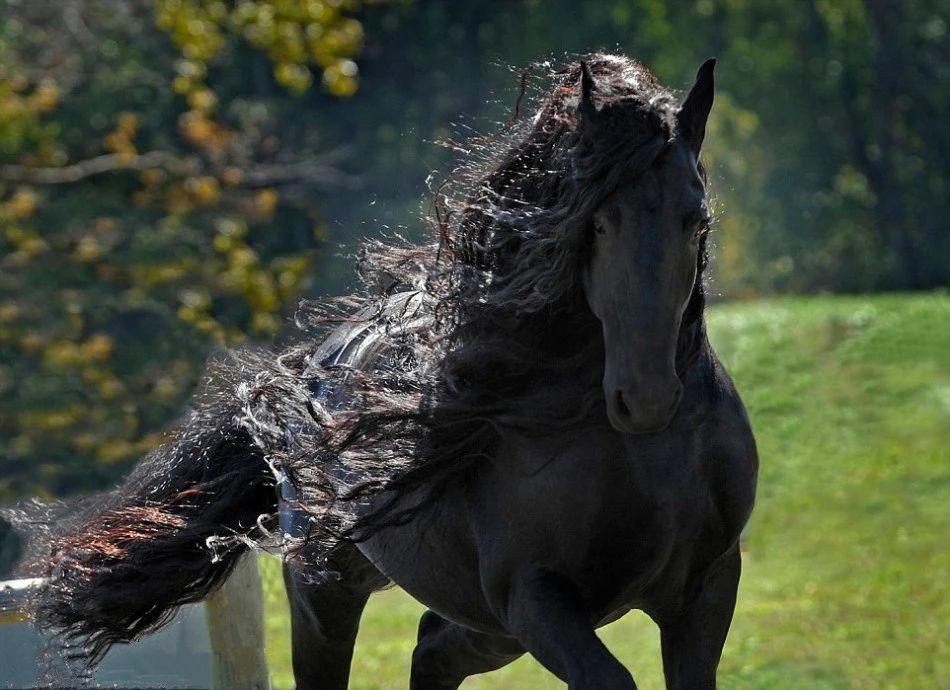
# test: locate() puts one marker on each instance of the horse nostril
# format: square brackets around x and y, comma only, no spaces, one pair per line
[622,408]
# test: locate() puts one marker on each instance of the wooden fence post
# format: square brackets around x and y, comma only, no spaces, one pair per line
[236,628]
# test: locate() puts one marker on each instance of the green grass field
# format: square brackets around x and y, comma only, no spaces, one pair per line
[845,582]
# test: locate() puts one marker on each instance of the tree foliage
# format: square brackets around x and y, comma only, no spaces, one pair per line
[154,204]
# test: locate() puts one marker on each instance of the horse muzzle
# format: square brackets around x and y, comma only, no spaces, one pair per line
[643,409]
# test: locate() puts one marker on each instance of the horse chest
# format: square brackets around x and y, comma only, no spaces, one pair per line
[620,520]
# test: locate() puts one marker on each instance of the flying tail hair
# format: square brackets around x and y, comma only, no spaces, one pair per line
[169,535]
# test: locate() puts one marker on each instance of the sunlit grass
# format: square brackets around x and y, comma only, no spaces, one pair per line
[845,574]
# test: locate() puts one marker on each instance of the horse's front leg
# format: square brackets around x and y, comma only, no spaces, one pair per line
[693,639]
[545,612]
[324,619]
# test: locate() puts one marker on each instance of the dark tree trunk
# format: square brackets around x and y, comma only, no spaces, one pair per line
[886,17]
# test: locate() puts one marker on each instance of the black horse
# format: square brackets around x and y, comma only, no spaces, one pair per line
[526,429]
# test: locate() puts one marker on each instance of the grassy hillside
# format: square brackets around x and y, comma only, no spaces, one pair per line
[846,559]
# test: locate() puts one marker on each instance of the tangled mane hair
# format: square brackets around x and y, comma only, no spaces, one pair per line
[481,333]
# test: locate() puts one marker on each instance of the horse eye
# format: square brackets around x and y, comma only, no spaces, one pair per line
[598,227]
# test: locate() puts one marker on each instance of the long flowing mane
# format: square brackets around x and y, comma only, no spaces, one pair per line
[481,333]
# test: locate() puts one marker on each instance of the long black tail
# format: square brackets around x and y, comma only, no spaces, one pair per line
[168,535]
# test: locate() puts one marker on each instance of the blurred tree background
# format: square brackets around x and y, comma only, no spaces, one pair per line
[159,186]
[174,174]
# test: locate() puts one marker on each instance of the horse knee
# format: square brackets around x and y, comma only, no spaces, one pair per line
[435,660]
[446,654]
[429,667]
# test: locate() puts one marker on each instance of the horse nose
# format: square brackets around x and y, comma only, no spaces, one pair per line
[645,408]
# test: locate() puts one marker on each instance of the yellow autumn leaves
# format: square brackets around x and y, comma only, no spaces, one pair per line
[298,36]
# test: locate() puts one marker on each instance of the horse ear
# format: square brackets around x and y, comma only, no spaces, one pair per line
[586,107]
[691,119]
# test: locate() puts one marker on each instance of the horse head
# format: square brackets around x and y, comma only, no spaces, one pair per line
[646,250]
